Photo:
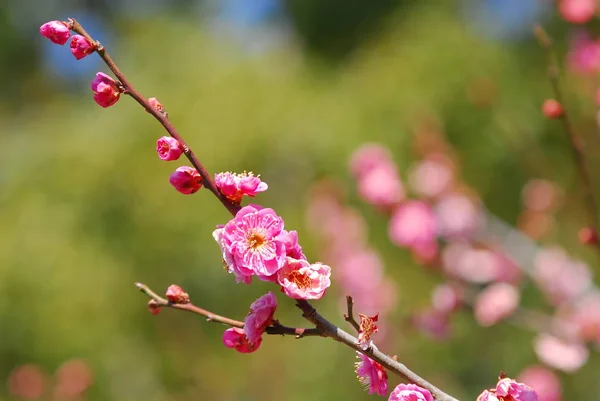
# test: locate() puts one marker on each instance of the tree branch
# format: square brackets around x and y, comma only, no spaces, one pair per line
[349,317]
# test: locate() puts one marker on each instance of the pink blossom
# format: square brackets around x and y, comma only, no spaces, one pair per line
[368,157]
[381,186]
[545,383]
[235,186]
[412,225]
[447,298]
[433,323]
[430,177]
[473,265]
[560,354]
[367,327]
[260,317]
[81,47]
[495,303]
[186,180]
[583,315]
[371,375]
[302,280]
[410,392]
[168,148]
[106,91]
[584,54]
[176,295]
[458,217]
[236,338]
[510,390]
[577,11]
[57,31]
[487,396]
[251,243]
[541,195]
[292,246]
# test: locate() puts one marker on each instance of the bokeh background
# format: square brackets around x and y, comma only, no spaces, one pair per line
[287,89]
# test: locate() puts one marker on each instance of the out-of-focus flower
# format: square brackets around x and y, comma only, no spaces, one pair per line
[371,375]
[458,216]
[433,323]
[236,186]
[577,11]
[479,266]
[552,109]
[495,303]
[410,392]
[106,91]
[588,236]
[260,317]
[251,243]
[381,186]
[566,356]
[73,378]
[176,295]
[582,316]
[236,339]
[367,327]
[447,298]
[541,195]
[545,383]
[81,47]
[168,148]
[368,157]
[186,180]
[57,31]
[412,225]
[302,280]
[27,381]
[584,54]
[154,307]
[430,177]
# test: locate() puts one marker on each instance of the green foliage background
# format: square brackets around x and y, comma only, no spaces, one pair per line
[86,209]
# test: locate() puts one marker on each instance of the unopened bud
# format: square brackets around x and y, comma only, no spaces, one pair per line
[176,295]
[552,109]
[156,105]
[154,307]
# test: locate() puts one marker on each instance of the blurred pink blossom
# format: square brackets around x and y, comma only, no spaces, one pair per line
[577,11]
[369,156]
[545,383]
[448,297]
[412,225]
[371,375]
[381,186]
[560,354]
[584,54]
[458,216]
[433,323]
[541,195]
[583,316]
[260,317]
[27,381]
[430,177]
[495,303]
[478,266]
[73,378]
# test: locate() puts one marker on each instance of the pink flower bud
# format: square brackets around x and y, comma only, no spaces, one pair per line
[176,295]
[58,32]
[552,109]
[186,180]
[236,339]
[168,148]
[106,90]
[154,307]
[260,317]
[81,47]
[156,105]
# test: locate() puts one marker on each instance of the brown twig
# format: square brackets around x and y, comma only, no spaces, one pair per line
[324,328]
[207,180]
[275,328]
[576,143]
[349,317]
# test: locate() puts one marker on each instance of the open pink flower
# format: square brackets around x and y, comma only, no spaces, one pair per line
[251,243]
[413,224]
[509,390]
[81,47]
[168,148]
[302,280]
[236,339]
[57,31]
[186,180]
[106,90]
[260,317]
[410,392]
[371,375]
[495,303]
[235,186]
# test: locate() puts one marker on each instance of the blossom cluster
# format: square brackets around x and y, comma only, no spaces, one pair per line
[509,390]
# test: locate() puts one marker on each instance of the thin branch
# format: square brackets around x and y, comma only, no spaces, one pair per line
[574,139]
[275,329]
[328,329]
[349,317]
[207,180]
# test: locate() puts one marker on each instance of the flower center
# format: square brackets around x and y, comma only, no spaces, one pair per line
[301,280]
[255,240]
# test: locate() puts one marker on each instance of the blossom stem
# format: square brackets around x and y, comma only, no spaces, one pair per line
[575,141]
[207,180]
[275,328]
[328,329]
[349,317]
